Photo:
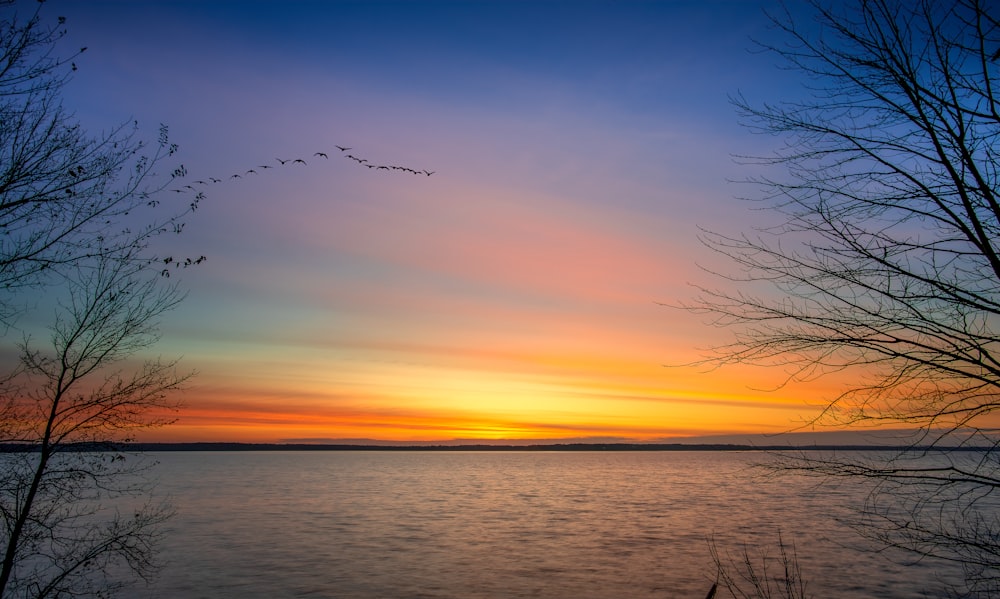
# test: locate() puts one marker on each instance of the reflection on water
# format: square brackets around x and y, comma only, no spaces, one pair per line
[482,524]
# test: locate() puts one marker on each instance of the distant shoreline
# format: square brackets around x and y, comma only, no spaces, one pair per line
[485,447]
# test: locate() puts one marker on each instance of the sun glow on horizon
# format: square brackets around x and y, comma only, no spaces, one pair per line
[431,404]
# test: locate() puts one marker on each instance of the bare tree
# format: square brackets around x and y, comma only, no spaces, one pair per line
[78,216]
[64,195]
[885,266]
[64,533]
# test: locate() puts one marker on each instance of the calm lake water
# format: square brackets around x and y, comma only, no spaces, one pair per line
[559,525]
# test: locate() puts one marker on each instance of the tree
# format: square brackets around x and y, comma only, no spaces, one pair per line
[62,537]
[64,196]
[885,266]
[78,215]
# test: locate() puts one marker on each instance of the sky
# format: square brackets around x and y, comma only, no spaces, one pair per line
[527,289]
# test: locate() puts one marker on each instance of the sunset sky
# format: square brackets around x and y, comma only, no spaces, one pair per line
[519,291]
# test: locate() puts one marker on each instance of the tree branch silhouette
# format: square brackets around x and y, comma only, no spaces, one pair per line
[885,265]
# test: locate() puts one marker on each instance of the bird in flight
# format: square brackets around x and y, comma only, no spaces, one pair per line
[298,160]
[321,154]
[429,173]
[283,161]
[342,148]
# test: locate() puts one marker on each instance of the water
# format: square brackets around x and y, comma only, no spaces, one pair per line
[469,525]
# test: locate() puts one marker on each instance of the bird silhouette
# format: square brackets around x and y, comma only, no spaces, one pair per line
[236,177]
[298,160]
[321,154]
[342,148]
[283,161]
[429,173]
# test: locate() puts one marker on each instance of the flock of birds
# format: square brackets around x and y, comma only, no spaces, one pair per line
[199,194]
[283,161]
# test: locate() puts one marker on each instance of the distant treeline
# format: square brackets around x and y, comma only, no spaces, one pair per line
[150,447]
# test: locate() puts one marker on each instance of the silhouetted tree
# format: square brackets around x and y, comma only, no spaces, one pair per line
[64,195]
[77,217]
[64,533]
[885,267]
